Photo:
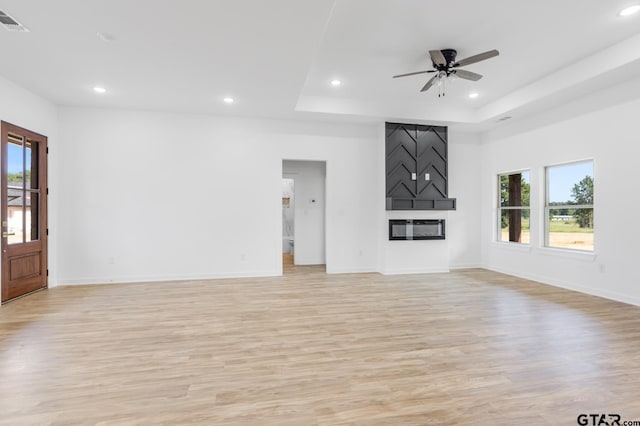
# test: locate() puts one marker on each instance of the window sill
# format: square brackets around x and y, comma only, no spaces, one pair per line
[511,246]
[584,256]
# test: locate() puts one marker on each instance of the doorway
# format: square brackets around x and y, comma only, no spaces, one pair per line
[24,212]
[303,213]
[288,224]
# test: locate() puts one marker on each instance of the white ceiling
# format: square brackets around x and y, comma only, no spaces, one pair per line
[277,57]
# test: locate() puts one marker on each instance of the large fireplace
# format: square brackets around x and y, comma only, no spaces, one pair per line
[416,229]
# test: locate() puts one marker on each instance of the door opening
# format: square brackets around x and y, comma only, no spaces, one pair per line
[288,224]
[303,222]
[24,212]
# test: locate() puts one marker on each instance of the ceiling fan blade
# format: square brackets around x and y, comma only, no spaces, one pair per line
[430,83]
[476,58]
[413,73]
[437,57]
[467,75]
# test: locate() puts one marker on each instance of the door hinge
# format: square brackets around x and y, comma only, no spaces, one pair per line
[47,232]
[47,272]
[47,191]
[47,150]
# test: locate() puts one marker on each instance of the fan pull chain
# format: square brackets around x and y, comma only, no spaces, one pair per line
[441,83]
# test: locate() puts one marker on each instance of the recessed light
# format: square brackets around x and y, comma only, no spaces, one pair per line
[99,89]
[336,83]
[473,95]
[630,10]
[228,100]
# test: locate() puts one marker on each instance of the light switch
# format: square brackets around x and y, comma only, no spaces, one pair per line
[427,176]
[413,176]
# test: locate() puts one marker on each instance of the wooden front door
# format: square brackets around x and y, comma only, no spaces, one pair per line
[24,211]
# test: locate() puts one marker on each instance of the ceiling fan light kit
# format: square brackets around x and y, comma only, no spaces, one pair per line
[446,67]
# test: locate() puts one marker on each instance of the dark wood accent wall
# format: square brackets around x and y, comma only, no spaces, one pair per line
[416,167]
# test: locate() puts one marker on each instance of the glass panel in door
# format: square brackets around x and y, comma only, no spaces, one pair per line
[15,189]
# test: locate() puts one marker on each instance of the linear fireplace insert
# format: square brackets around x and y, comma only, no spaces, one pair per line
[416,229]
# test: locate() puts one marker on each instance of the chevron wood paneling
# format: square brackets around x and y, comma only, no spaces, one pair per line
[419,149]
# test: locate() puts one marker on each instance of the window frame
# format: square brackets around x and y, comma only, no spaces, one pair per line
[548,207]
[500,208]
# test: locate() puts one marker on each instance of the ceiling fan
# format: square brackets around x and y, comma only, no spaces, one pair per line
[445,65]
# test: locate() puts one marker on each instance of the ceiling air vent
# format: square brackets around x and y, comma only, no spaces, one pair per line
[11,24]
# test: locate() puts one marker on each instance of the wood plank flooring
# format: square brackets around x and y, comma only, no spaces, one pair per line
[467,348]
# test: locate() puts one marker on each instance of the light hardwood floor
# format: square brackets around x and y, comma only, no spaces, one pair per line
[466,348]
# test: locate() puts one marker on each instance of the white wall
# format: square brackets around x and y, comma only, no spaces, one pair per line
[464,224]
[309,205]
[25,109]
[153,196]
[611,138]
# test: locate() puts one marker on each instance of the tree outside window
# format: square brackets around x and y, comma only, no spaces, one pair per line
[514,207]
[569,218]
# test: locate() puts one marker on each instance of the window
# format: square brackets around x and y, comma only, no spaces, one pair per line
[513,207]
[569,206]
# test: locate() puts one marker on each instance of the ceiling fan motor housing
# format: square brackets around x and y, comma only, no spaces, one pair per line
[449,56]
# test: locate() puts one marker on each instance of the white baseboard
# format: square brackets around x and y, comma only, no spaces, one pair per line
[542,279]
[539,278]
[163,278]
[465,266]
[414,271]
